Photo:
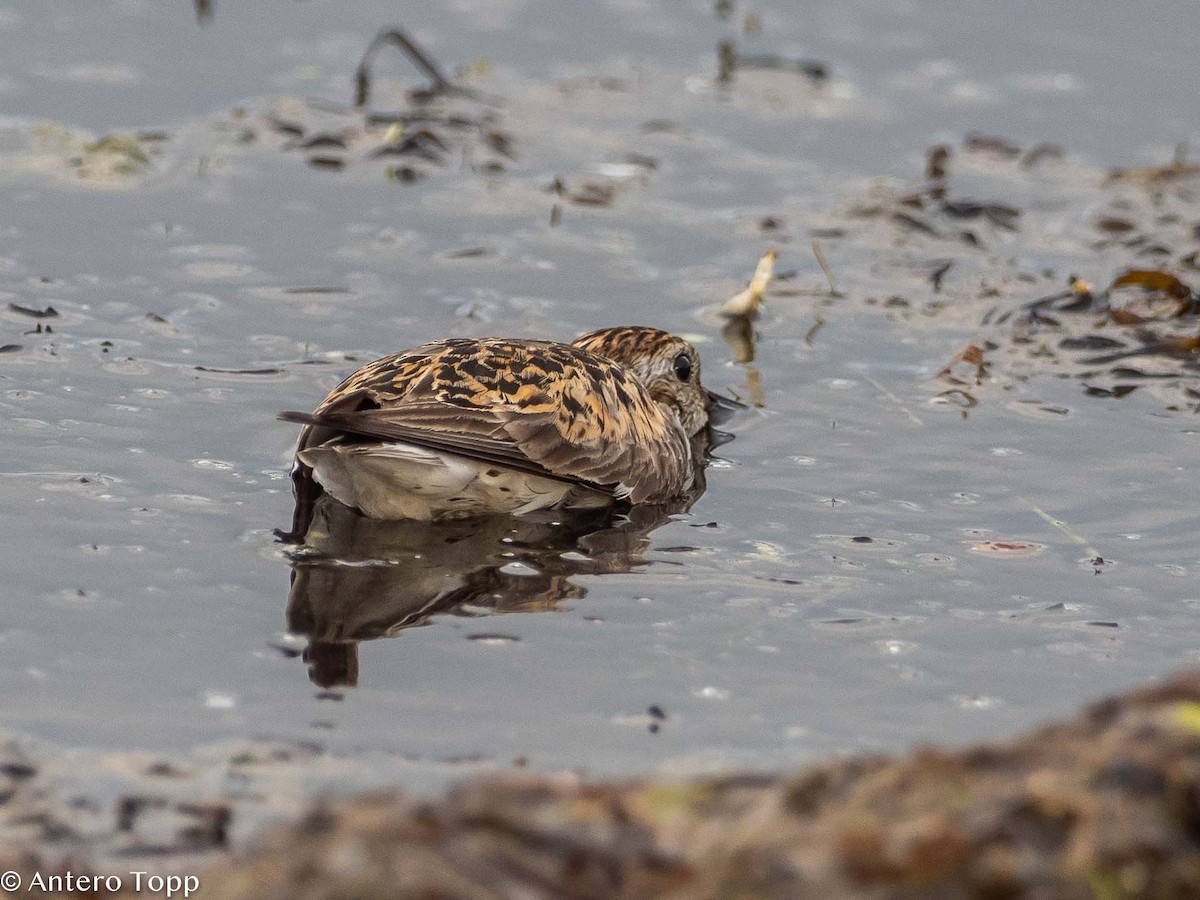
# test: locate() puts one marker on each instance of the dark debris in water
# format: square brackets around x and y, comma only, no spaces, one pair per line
[439,83]
[292,129]
[729,61]
[1117,390]
[329,163]
[323,142]
[1133,322]
[48,312]
[1154,313]
[222,371]
[435,121]
[1178,169]
[972,357]
[593,194]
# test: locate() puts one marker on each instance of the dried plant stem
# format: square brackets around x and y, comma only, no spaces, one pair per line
[833,291]
[883,389]
[1062,526]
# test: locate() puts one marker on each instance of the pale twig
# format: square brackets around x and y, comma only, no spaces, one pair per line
[746,302]
[1062,526]
[833,291]
[883,389]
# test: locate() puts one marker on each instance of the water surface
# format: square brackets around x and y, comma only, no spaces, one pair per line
[834,590]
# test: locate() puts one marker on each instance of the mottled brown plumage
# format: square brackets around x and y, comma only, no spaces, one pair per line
[470,426]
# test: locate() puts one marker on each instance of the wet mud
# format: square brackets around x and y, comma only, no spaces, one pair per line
[1099,805]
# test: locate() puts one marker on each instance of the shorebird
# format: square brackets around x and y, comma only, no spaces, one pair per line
[479,426]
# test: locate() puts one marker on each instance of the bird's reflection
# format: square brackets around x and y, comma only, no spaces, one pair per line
[357,579]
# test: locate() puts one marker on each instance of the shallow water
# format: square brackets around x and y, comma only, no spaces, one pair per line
[144,471]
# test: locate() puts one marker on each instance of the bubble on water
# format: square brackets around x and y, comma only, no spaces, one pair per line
[204,463]
[212,270]
[895,648]
[746,602]
[764,552]
[975,701]
[218,700]
[519,568]
[188,499]
[493,639]
[619,171]
[211,251]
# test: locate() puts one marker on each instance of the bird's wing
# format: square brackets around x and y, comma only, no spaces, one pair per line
[540,407]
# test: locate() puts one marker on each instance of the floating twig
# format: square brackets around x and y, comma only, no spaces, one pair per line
[936,161]
[972,355]
[746,301]
[1062,526]
[811,334]
[833,291]
[729,61]
[936,276]
[397,37]
[883,389]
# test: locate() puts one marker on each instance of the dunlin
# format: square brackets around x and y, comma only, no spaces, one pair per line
[477,426]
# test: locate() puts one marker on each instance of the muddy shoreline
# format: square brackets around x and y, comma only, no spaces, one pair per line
[1102,804]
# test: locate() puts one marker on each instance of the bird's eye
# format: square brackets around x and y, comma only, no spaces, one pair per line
[683,367]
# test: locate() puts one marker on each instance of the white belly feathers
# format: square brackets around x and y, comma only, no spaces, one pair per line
[404,481]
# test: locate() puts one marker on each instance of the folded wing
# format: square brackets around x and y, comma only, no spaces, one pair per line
[540,407]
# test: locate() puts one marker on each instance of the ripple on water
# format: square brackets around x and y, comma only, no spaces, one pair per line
[218,464]
[493,638]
